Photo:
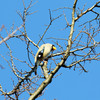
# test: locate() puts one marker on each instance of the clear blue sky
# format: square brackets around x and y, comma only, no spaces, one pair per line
[70,85]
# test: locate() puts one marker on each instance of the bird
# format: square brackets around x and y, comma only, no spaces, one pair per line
[42,53]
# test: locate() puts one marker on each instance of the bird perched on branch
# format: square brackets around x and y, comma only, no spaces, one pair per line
[42,54]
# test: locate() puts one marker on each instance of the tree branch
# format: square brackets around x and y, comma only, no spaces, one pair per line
[10,35]
[89,9]
[49,79]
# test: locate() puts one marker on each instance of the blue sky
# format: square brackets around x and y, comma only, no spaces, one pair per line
[70,85]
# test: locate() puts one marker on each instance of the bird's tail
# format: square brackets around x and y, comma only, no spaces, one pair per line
[35,69]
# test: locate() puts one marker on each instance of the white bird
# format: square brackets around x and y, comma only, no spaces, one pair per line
[42,53]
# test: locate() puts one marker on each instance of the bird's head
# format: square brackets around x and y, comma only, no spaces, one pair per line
[53,48]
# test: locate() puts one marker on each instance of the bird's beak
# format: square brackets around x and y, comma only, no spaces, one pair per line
[54,48]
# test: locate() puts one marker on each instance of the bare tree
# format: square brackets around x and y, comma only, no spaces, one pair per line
[79,48]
